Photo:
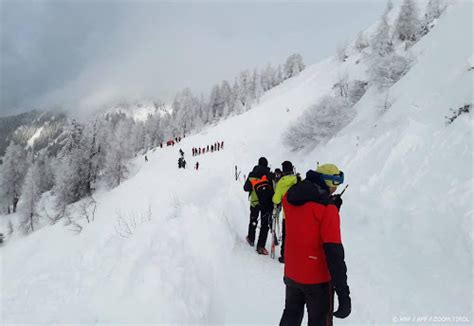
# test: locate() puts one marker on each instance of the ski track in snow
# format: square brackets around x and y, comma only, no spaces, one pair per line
[406,219]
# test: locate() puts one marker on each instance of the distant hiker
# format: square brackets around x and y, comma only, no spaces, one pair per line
[286,180]
[181,152]
[161,145]
[207,148]
[146,158]
[314,255]
[222,144]
[197,166]
[259,187]
[180,163]
[183,164]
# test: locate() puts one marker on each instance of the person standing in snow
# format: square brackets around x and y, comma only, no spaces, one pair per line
[314,255]
[197,165]
[287,180]
[264,209]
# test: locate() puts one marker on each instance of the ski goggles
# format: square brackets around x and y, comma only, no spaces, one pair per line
[336,179]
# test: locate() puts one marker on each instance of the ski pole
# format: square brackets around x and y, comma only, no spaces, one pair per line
[343,190]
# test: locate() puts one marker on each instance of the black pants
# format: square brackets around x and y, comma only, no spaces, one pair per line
[265,214]
[318,299]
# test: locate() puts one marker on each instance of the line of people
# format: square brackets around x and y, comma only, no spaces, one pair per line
[311,248]
[217,146]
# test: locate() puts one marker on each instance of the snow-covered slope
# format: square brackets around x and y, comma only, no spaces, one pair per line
[406,218]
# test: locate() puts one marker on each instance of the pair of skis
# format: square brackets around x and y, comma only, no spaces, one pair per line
[275,230]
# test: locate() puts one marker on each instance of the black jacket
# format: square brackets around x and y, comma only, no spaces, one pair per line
[257,172]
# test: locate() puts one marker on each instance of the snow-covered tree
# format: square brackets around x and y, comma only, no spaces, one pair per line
[71,168]
[14,169]
[43,164]
[245,82]
[381,41]
[268,77]
[341,52]
[29,198]
[256,90]
[185,106]
[293,65]
[407,24]
[319,123]
[388,7]
[361,42]
[119,152]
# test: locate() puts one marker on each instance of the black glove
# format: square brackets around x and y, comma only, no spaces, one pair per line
[344,308]
[337,200]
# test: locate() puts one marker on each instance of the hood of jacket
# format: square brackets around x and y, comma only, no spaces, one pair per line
[259,171]
[312,189]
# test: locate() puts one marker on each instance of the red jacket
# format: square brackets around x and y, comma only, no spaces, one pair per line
[312,232]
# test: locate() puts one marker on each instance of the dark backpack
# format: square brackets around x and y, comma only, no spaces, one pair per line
[264,190]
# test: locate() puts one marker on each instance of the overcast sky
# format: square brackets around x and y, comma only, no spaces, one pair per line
[85,54]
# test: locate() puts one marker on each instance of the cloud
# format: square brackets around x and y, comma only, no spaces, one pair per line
[83,55]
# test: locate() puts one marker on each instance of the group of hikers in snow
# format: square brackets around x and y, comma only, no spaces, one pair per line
[217,146]
[182,161]
[311,247]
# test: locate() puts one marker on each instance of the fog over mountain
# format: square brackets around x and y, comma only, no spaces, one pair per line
[83,55]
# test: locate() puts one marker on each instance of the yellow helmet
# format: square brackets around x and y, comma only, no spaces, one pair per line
[331,174]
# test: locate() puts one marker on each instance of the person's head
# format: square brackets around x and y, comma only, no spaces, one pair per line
[287,167]
[278,173]
[263,162]
[331,175]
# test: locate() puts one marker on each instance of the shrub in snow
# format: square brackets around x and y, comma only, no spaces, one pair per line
[456,113]
[356,90]
[434,9]
[351,91]
[387,70]
[318,123]
[407,23]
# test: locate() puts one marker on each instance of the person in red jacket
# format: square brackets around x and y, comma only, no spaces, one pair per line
[314,255]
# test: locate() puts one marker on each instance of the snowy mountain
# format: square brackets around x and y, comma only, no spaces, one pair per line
[167,245]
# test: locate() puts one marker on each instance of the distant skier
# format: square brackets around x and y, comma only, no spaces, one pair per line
[262,205]
[197,166]
[222,145]
[183,164]
[180,162]
[146,158]
[314,255]
[181,152]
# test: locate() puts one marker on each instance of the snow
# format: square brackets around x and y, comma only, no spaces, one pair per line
[406,218]
[35,136]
